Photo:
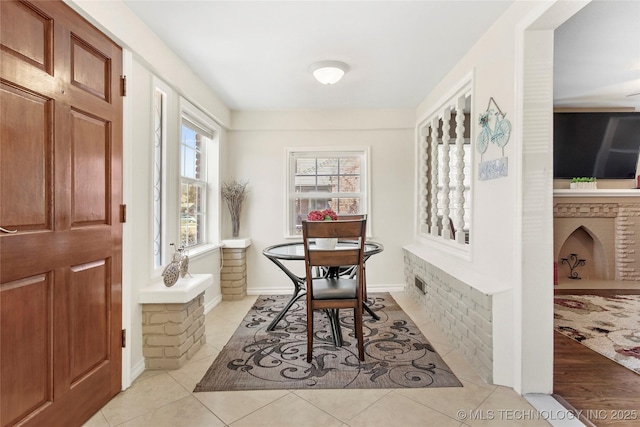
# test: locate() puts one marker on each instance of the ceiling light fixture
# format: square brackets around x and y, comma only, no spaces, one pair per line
[329,72]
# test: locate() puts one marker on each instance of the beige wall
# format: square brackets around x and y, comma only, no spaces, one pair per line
[257,154]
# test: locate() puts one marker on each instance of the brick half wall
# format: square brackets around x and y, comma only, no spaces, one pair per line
[463,313]
[172,333]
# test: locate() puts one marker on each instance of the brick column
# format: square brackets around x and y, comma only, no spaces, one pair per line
[172,333]
[233,276]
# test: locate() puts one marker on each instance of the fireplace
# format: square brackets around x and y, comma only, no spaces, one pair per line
[597,235]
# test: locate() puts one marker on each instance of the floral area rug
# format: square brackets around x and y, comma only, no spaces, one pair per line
[397,355]
[608,325]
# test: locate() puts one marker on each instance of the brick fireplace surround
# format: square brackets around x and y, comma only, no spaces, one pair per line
[603,228]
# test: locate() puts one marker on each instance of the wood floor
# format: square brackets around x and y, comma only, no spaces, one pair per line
[606,393]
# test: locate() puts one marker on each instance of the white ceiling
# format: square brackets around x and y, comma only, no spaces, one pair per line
[256,55]
[597,56]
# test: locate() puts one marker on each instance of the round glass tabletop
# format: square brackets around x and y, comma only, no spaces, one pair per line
[295,250]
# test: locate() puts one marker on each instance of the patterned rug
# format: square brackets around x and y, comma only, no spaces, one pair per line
[608,325]
[397,355]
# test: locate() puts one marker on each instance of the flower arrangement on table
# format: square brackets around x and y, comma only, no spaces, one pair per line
[325,215]
[326,243]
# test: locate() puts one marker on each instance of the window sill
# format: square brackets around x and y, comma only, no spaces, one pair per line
[237,243]
[202,250]
[451,247]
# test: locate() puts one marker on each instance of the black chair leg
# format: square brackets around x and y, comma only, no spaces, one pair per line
[334,321]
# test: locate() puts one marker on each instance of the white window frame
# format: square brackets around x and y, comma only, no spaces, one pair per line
[161,91]
[365,196]
[211,226]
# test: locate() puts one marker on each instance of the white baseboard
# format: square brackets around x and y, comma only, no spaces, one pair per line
[259,290]
[212,304]
[386,288]
[137,369]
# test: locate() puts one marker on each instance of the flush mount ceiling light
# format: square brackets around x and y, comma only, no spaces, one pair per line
[329,72]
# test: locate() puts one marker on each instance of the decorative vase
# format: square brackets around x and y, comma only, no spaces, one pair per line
[234,193]
[235,226]
[326,244]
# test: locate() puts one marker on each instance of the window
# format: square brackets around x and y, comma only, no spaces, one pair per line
[193,183]
[160,102]
[334,179]
[198,191]
[445,171]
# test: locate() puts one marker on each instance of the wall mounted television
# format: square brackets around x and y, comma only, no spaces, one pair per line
[604,145]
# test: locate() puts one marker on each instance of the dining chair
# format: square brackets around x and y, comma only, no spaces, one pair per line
[348,270]
[334,291]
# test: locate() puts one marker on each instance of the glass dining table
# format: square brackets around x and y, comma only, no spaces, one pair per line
[294,251]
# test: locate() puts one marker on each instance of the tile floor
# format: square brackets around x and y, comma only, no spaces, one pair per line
[165,398]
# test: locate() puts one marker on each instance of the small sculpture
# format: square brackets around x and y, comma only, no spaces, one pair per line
[573,262]
[178,267]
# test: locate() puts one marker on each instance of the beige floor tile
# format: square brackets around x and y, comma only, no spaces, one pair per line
[342,404]
[205,351]
[142,397]
[97,420]
[402,298]
[417,314]
[218,334]
[289,411]
[433,333]
[230,406]
[461,368]
[233,310]
[148,373]
[450,400]
[187,412]
[505,407]
[436,338]
[397,410]
[159,398]
[191,373]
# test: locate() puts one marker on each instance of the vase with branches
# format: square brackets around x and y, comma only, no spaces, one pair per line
[234,193]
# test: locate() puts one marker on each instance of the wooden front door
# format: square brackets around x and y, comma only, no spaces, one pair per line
[60,197]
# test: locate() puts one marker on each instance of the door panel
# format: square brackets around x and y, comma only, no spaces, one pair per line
[27,125]
[90,169]
[27,34]
[28,385]
[60,188]
[90,69]
[89,309]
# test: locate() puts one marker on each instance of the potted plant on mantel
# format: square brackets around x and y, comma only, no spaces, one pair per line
[584,183]
[234,193]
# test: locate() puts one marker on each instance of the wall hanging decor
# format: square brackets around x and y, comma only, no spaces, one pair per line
[495,129]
